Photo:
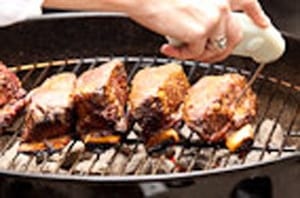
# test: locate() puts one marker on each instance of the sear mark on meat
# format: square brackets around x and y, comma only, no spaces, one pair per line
[155,98]
[100,99]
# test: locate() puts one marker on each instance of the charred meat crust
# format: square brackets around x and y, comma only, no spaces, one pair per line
[49,112]
[150,117]
[51,125]
[100,100]
[211,110]
[156,95]
[11,96]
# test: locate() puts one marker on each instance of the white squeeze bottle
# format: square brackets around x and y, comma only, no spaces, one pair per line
[263,45]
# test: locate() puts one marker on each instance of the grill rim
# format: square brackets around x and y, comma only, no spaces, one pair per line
[150,178]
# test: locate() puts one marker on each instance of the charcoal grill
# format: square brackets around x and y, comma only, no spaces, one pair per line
[38,49]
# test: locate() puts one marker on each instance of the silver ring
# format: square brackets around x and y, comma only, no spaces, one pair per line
[219,43]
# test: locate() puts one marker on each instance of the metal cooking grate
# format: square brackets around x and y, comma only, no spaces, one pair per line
[277,131]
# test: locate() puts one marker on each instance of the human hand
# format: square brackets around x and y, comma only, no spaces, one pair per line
[197,24]
[255,12]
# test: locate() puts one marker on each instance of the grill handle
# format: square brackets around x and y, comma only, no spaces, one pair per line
[263,45]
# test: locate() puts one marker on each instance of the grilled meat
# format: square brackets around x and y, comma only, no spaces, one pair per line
[49,114]
[11,96]
[154,100]
[210,108]
[100,100]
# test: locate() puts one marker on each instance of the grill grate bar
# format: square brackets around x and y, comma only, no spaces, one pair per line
[129,158]
[138,65]
[211,157]
[141,166]
[266,110]
[75,70]
[181,152]
[211,69]
[135,68]
[110,162]
[13,138]
[76,162]
[281,110]
[78,66]
[259,94]
[156,165]
[288,132]
[41,76]
[192,70]
[226,160]
[45,157]
[264,114]
[182,149]
[26,77]
[190,75]
[26,165]
[62,67]
[69,148]
[19,121]
[92,65]
[90,168]
[11,163]
[64,156]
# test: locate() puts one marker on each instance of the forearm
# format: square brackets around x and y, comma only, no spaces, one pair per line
[93,5]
